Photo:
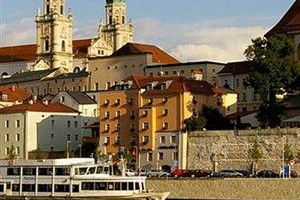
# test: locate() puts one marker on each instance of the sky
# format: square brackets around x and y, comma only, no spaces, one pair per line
[189,30]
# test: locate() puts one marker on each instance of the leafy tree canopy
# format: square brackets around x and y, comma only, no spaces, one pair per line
[255,152]
[273,71]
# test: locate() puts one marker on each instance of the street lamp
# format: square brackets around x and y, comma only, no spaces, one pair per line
[68,153]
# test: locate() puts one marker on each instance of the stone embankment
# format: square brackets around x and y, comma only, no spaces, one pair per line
[231,188]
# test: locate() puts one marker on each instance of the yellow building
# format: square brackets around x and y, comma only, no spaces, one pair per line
[145,115]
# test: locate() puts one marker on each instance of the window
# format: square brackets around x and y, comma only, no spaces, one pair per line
[173,139]
[61,10]
[174,72]
[145,113]
[237,83]
[117,128]
[107,140]
[17,123]
[52,123]
[18,150]
[118,101]
[107,115]
[244,97]
[107,85]
[130,101]
[68,137]
[18,137]
[162,139]
[165,125]
[118,114]
[165,112]
[149,157]
[107,127]
[160,156]
[145,126]
[6,138]
[165,100]
[175,156]
[182,71]
[7,150]
[69,124]
[106,102]
[52,137]
[75,124]
[146,139]
[150,101]
[47,48]
[76,138]
[96,86]
[62,99]
[6,124]
[63,46]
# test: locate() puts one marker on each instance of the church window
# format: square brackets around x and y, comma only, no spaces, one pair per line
[102,52]
[123,20]
[47,46]
[61,9]
[63,46]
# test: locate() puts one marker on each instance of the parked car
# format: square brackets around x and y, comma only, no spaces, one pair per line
[191,173]
[267,174]
[155,173]
[227,173]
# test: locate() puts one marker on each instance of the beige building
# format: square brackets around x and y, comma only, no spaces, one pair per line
[207,70]
[145,115]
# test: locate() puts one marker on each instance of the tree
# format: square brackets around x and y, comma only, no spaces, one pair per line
[255,153]
[273,69]
[12,155]
[194,123]
[288,153]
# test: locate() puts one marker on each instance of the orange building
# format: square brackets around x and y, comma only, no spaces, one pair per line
[147,113]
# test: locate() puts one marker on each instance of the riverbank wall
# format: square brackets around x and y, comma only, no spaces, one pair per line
[231,188]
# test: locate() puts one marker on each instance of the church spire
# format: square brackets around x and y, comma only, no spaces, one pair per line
[54,35]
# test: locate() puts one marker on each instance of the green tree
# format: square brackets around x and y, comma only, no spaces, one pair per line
[273,69]
[255,152]
[215,120]
[288,153]
[194,123]
[12,154]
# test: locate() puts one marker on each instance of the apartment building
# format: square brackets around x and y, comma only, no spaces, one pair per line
[145,115]
[30,125]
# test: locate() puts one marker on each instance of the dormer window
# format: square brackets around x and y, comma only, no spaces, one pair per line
[106,102]
[4,96]
[163,86]
[165,100]
[118,101]
[150,101]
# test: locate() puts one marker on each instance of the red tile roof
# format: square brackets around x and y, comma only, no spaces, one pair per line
[38,107]
[159,56]
[243,67]
[13,94]
[289,22]
[177,85]
[28,52]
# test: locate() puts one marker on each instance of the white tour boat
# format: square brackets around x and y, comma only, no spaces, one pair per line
[75,178]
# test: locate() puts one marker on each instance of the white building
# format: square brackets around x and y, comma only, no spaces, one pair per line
[78,101]
[33,125]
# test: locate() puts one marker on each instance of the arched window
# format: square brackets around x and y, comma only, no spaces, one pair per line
[63,46]
[61,9]
[76,70]
[47,45]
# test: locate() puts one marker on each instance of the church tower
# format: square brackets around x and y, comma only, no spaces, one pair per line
[116,31]
[54,35]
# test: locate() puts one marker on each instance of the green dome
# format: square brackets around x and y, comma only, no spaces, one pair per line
[115,1]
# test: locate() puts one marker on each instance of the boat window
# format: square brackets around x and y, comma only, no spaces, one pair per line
[106,170]
[75,188]
[44,188]
[13,171]
[137,186]
[62,171]
[110,186]
[117,186]
[62,188]
[45,171]
[99,170]
[101,186]
[82,170]
[8,186]
[92,170]
[124,186]
[29,171]
[88,186]
[16,188]
[130,185]
[28,187]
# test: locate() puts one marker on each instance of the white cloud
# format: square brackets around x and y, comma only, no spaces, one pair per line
[186,42]
[18,32]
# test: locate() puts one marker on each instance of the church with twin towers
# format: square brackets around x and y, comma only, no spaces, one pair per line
[54,28]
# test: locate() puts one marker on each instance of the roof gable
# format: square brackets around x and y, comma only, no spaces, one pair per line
[159,56]
[81,97]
